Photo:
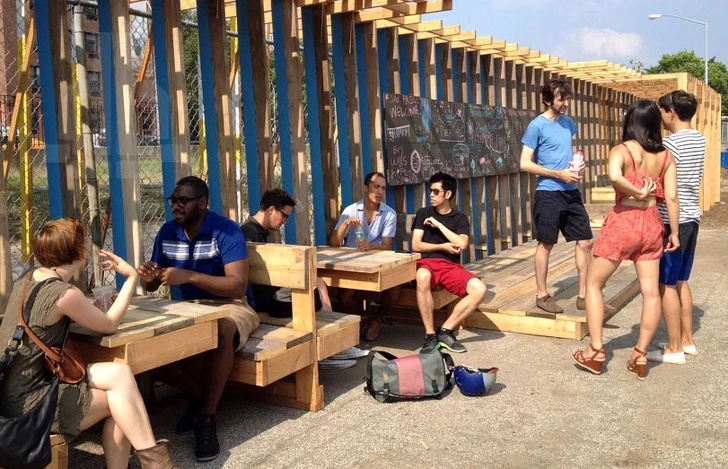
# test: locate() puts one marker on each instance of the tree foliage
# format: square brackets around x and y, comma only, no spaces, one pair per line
[687,61]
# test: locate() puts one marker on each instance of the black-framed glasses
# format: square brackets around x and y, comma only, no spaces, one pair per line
[437,191]
[283,214]
[181,201]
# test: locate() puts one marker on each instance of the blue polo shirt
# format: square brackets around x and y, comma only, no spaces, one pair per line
[219,242]
[384,224]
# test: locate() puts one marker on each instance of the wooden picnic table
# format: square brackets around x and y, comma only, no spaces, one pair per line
[368,270]
[153,333]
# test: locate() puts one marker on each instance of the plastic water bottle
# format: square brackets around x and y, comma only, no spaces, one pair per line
[359,233]
[576,161]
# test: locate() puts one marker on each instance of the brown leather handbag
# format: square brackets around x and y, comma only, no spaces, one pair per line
[66,361]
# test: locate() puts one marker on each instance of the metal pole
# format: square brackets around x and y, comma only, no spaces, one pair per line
[89,160]
[706,51]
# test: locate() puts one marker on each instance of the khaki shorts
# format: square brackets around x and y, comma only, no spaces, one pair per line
[244,317]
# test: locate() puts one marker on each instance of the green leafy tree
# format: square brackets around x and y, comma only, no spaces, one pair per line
[687,61]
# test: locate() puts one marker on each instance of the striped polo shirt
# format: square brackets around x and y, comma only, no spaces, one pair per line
[688,148]
[219,242]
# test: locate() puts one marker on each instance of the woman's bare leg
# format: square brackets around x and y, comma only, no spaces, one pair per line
[600,269]
[648,274]
[116,397]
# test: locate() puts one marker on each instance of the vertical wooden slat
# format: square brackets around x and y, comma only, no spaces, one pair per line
[171,94]
[319,114]
[290,99]
[126,130]
[392,71]
[54,56]
[255,87]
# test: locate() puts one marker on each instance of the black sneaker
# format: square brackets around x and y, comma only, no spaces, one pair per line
[430,342]
[186,424]
[446,339]
[207,447]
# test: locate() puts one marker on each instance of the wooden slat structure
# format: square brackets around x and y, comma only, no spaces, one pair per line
[378,46]
[510,304]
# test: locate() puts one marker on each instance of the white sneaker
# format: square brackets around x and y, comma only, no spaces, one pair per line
[688,349]
[677,358]
[348,354]
[329,363]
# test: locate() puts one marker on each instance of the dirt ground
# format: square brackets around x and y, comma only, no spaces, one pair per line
[717,216]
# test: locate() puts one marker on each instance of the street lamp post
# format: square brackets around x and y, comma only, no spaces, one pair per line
[655,16]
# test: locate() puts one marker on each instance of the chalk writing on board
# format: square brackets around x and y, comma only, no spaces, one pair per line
[424,136]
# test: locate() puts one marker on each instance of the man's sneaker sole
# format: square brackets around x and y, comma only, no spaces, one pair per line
[207,458]
[444,345]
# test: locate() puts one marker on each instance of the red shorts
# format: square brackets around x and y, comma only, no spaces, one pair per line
[630,233]
[454,277]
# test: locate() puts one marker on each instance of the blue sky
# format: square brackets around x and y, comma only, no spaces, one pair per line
[615,30]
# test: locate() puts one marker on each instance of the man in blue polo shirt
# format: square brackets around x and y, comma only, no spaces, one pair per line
[378,223]
[201,255]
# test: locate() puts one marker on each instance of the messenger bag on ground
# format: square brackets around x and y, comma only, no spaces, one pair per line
[426,374]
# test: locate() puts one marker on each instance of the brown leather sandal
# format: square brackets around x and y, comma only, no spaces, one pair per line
[638,368]
[591,364]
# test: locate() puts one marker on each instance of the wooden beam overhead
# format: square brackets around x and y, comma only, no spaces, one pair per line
[405,15]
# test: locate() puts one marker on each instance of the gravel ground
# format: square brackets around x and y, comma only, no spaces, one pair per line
[543,413]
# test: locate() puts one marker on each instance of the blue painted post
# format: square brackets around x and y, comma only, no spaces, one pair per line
[49,106]
[250,123]
[284,122]
[112,130]
[337,49]
[384,87]
[314,128]
[361,74]
[164,101]
[208,100]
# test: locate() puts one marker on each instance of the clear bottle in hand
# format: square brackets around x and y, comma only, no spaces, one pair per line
[359,234]
[576,162]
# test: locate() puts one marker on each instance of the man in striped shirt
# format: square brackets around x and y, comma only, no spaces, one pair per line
[687,145]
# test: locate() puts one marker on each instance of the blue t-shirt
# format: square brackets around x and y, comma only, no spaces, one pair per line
[219,242]
[551,141]
[384,224]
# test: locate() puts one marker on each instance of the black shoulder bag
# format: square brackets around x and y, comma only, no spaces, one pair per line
[25,441]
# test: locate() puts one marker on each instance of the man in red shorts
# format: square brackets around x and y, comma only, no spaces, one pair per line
[440,233]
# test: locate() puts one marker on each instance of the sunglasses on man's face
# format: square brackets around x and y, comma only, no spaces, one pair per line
[437,191]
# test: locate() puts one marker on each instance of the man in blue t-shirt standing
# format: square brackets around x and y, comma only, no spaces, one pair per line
[201,255]
[558,205]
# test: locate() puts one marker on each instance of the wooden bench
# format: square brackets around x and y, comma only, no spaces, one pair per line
[282,355]
[59,453]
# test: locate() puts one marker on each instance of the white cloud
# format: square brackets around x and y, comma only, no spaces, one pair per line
[606,43]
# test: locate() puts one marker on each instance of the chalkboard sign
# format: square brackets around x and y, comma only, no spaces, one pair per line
[425,136]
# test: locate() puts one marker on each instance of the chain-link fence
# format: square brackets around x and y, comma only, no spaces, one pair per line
[27,182]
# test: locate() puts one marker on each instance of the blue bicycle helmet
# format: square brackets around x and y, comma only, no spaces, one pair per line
[474,381]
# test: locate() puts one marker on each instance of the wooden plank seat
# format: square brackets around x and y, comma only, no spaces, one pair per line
[282,355]
[334,331]
[59,453]
[510,302]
